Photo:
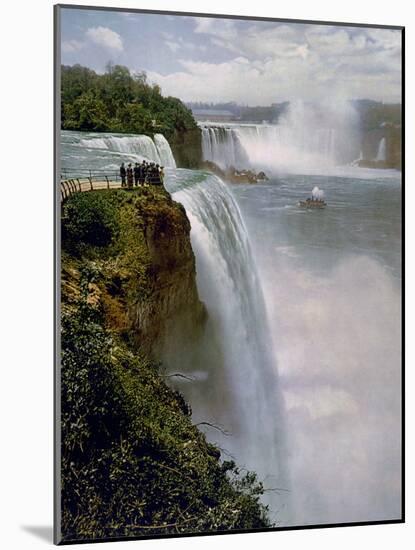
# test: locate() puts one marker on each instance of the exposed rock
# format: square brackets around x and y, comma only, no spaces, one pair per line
[147,283]
[187,148]
[235,176]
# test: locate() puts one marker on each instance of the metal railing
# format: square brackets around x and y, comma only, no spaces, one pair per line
[74,173]
[96,181]
[90,183]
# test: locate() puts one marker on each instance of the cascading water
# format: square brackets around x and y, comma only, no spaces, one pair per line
[142,146]
[307,136]
[229,285]
[381,154]
[164,151]
[222,146]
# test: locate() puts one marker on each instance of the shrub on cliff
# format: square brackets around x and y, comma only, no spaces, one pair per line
[89,219]
[132,462]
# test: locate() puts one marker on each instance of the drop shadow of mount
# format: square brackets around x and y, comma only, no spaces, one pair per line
[43,532]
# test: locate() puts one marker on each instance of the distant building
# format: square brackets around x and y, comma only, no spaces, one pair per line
[215,115]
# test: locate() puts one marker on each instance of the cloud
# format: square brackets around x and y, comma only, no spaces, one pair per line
[103,36]
[69,46]
[201,59]
[285,62]
[176,44]
[173,46]
[223,28]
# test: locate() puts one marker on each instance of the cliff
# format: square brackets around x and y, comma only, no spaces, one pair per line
[393,147]
[380,121]
[132,463]
[187,148]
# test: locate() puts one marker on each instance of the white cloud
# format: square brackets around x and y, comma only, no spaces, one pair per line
[176,44]
[281,61]
[261,82]
[287,62]
[70,46]
[223,28]
[103,36]
[173,46]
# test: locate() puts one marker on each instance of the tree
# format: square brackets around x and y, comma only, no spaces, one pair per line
[119,101]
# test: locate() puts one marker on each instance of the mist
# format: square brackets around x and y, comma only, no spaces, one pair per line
[337,340]
[309,136]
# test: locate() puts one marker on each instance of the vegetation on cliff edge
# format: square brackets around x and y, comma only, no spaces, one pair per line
[133,463]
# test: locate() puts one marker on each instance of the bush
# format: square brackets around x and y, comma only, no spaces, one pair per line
[89,219]
[132,462]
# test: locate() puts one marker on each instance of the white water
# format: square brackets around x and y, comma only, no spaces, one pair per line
[164,151]
[229,285]
[381,155]
[332,285]
[141,146]
[222,146]
[308,136]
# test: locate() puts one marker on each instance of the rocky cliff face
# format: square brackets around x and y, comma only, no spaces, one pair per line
[187,148]
[393,147]
[146,277]
[170,310]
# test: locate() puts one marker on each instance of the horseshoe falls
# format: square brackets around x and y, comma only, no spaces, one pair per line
[308,136]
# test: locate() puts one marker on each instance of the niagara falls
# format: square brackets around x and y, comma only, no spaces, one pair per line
[242,245]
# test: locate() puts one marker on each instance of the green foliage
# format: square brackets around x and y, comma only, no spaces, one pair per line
[132,462]
[118,101]
[89,219]
[374,114]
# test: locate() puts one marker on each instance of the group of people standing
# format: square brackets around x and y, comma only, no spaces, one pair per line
[142,173]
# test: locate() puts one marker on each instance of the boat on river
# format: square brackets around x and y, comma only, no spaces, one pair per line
[312,203]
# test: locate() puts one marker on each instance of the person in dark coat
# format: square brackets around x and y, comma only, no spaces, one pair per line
[157,180]
[144,168]
[122,174]
[130,177]
[141,174]
[149,172]
[136,174]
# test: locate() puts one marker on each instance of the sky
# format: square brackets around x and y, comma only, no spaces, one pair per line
[249,62]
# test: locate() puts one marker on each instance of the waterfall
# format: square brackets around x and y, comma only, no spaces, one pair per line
[140,146]
[222,146]
[245,398]
[307,136]
[381,154]
[164,151]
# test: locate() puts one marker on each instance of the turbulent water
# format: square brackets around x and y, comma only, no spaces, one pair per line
[332,286]
[82,152]
[307,136]
[228,283]
[315,294]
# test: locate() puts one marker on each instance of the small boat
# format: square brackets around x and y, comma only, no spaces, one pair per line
[312,203]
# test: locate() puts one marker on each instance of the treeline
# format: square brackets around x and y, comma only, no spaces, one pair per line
[374,114]
[118,101]
[258,113]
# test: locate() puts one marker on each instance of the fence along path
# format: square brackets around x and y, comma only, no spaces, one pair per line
[90,183]
[69,186]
